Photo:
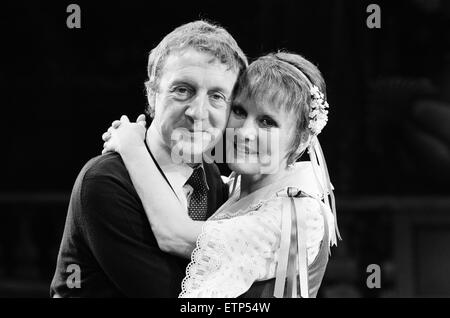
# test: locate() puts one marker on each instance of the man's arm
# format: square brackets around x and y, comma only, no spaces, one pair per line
[119,236]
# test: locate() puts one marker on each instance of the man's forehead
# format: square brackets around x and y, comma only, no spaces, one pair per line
[190,59]
[198,68]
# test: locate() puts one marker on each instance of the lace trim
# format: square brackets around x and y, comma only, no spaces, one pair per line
[252,208]
[205,259]
[204,272]
[210,260]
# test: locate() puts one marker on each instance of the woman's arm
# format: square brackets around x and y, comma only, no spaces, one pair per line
[175,232]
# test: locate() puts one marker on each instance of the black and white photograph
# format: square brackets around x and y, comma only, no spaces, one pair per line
[252,150]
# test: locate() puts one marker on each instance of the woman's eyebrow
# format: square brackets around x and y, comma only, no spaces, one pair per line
[269,116]
[265,110]
[236,103]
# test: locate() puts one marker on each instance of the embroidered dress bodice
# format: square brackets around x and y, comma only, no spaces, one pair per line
[240,242]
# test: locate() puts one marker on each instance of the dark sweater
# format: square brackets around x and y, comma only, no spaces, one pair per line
[108,236]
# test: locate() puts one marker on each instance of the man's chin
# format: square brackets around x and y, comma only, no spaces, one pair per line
[188,153]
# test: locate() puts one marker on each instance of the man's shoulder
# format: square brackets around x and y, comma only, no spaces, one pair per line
[106,165]
[101,180]
[104,173]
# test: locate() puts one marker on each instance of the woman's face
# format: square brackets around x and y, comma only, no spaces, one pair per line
[258,136]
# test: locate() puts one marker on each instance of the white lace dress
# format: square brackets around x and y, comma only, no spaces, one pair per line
[239,244]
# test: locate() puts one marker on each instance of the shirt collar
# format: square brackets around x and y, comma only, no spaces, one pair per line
[176,173]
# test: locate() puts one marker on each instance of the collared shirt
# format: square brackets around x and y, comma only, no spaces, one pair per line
[177,173]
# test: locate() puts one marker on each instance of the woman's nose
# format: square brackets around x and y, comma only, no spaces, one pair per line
[248,131]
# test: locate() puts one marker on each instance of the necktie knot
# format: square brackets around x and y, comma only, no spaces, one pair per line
[197,180]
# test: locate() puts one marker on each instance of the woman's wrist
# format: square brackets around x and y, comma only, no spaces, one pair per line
[134,153]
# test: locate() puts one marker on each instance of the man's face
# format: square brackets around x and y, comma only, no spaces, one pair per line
[192,102]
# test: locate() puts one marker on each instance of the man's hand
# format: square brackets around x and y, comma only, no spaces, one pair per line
[123,135]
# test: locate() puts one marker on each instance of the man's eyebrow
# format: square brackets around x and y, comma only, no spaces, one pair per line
[183,81]
[221,89]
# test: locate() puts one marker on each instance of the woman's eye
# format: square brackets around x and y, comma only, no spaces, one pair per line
[239,111]
[268,123]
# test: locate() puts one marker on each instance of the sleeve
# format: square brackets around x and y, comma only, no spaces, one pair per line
[119,236]
[232,254]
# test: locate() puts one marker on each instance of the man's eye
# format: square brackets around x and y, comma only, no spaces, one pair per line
[218,97]
[239,111]
[181,90]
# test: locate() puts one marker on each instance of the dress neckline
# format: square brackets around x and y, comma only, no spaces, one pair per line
[301,177]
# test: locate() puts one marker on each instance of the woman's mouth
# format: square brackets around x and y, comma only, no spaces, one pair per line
[245,149]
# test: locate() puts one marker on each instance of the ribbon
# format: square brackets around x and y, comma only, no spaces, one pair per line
[283,257]
[293,256]
[321,172]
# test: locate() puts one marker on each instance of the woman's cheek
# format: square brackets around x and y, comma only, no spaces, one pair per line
[233,122]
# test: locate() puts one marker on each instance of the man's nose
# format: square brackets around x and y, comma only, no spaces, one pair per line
[198,108]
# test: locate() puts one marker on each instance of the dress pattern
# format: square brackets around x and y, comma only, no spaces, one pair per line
[239,244]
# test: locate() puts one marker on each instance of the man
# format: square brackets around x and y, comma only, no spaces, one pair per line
[108,248]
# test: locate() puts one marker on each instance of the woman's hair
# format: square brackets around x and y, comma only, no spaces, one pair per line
[202,36]
[284,80]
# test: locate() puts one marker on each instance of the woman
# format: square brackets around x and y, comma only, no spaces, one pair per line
[278,221]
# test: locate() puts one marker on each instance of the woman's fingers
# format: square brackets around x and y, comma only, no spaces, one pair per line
[116,123]
[110,141]
[105,147]
[109,146]
[106,136]
[141,120]
[124,119]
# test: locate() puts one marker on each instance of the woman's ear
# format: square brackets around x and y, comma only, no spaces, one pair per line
[305,140]
[304,143]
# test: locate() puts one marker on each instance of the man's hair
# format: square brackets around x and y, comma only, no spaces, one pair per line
[200,35]
[283,80]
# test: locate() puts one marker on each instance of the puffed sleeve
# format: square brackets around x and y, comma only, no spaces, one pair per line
[232,254]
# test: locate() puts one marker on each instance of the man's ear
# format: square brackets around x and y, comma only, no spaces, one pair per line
[151,99]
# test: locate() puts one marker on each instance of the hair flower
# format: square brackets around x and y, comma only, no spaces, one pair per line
[318,113]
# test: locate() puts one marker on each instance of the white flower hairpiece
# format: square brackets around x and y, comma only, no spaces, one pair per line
[318,115]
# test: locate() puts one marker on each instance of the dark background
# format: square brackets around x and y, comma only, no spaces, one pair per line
[386,142]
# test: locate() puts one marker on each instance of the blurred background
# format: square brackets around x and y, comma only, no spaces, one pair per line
[386,143]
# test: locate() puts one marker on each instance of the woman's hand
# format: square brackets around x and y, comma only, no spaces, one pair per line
[124,136]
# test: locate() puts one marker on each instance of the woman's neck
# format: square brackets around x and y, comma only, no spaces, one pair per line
[252,182]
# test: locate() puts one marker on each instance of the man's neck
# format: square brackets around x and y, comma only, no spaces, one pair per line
[157,144]
[155,139]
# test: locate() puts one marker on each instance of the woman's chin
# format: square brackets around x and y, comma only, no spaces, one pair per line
[245,168]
